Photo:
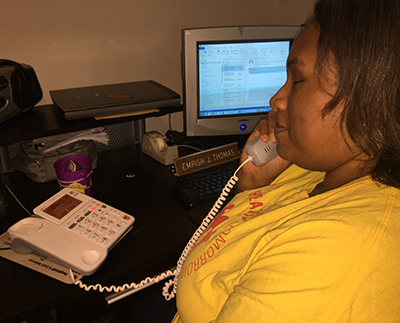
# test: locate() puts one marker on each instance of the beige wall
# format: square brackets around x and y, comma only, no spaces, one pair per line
[72,43]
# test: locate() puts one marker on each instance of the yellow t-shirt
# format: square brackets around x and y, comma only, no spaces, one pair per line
[277,255]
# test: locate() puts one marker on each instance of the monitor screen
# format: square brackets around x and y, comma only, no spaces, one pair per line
[230,74]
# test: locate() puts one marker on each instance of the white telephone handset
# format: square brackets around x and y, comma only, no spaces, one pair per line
[56,242]
[261,152]
[72,228]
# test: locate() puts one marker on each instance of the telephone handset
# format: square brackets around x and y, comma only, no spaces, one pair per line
[260,151]
[73,228]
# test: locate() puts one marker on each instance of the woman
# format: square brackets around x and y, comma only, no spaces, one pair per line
[312,236]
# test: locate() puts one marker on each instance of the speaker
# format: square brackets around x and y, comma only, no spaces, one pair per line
[19,89]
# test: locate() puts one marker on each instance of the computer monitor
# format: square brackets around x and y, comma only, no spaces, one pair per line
[230,74]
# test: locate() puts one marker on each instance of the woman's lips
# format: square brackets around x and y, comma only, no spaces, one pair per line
[279,128]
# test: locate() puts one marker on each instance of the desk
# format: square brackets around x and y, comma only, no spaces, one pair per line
[160,233]
[31,293]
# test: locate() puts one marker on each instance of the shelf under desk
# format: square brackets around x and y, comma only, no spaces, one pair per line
[45,120]
[159,234]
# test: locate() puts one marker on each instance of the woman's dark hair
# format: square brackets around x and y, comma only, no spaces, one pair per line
[362,37]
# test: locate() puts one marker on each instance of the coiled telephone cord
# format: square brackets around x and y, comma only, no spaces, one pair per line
[172,283]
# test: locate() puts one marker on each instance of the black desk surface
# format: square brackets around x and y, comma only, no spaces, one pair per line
[160,233]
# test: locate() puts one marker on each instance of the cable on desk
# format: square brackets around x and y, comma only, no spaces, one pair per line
[17,200]
[172,283]
[191,147]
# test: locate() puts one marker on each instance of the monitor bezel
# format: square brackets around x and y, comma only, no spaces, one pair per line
[221,125]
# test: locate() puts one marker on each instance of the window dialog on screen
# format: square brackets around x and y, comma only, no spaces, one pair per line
[239,78]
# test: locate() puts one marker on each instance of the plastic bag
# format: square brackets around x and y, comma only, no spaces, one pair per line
[38,166]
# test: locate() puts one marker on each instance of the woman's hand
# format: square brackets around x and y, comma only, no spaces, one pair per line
[250,176]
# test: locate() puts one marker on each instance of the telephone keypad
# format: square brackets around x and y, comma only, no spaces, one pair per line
[99,223]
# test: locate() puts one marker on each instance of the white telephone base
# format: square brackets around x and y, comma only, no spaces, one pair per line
[154,145]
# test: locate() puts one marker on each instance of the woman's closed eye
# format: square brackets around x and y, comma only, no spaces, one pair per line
[297,82]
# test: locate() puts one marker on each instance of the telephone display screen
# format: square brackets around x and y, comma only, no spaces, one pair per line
[62,206]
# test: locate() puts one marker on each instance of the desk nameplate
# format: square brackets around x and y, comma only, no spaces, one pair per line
[206,159]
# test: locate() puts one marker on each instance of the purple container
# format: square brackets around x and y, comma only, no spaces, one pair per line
[79,180]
